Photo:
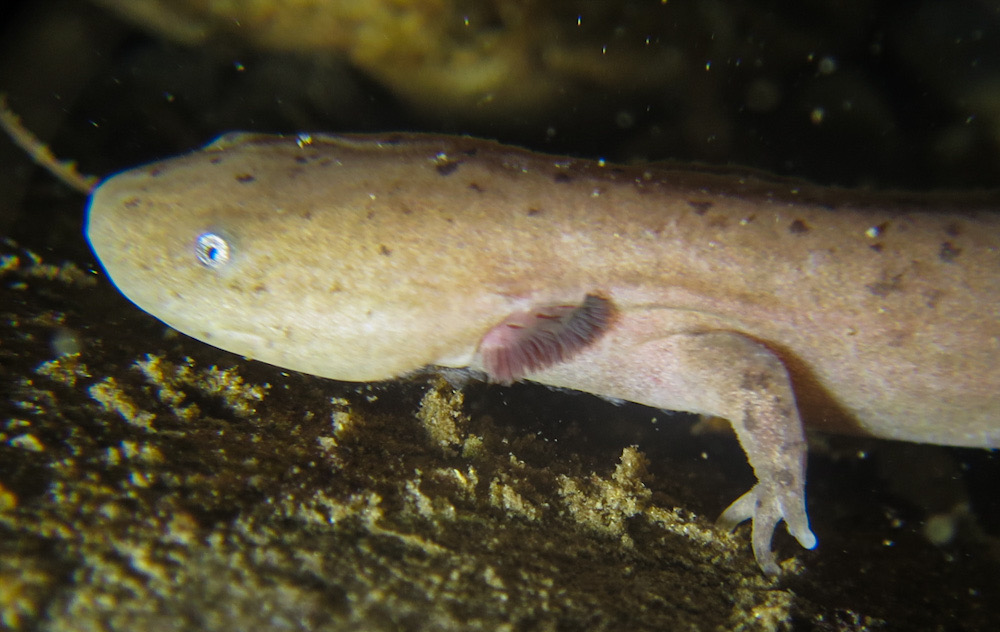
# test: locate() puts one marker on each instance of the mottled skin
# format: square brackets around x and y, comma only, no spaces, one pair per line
[364,258]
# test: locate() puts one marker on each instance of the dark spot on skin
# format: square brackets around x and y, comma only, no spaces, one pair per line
[326,162]
[382,250]
[884,288]
[561,177]
[132,202]
[700,207]
[798,227]
[898,338]
[307,215]
[244,178]
[932,298]
[877,230]
[533,212]
[953,229]
[155,172]
[755,381]
[749,421]
[475,187]
[876,247]
[470,152]
[447,168]
[259,288]
[785,478]
[949,252]
[216,160]
[370,214]
[718,222]
[301,160]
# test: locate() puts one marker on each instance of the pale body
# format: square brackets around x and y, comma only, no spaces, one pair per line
[364,258]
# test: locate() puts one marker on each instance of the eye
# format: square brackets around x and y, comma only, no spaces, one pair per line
[213,250]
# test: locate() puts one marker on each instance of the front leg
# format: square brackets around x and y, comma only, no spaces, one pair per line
[719,373]
[755,395]
[728,375]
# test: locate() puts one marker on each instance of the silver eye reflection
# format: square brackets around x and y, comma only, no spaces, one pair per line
[213,250]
